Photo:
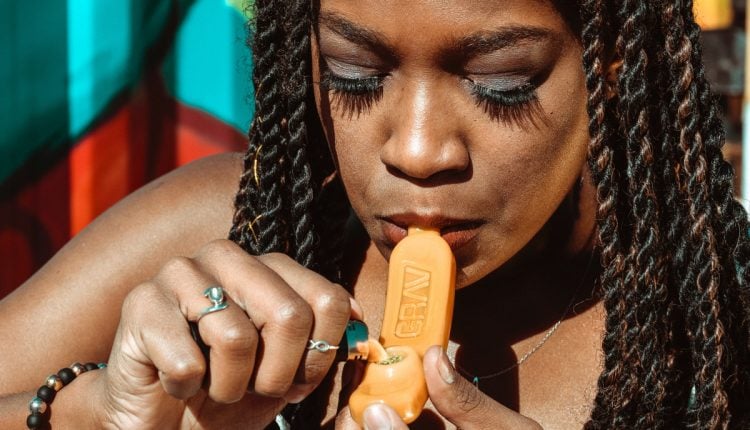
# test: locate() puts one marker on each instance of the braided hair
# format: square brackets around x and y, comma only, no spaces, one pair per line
[673,241]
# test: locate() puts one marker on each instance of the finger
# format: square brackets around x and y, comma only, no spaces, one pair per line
[332,309]
[461,403]
[233,346]
[283,318]
[148,318]
[380,416]
[232,339]
[230,335]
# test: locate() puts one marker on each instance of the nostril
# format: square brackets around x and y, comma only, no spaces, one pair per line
[424,161]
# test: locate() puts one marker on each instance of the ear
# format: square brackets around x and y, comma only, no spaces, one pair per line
[613,73]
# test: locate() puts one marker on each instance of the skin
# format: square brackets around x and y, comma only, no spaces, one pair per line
[426,141]
[135,277]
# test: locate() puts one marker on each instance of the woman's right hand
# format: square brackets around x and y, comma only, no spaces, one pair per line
[258,356]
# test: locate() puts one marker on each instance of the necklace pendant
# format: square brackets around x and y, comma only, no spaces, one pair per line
[475,381]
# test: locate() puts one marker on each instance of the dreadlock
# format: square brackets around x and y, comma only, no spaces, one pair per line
[282,201]
[673,241]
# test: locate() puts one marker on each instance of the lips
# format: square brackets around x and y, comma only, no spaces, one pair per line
[456,232]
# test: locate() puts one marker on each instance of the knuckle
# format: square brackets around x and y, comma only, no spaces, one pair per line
[238,339]
[184,370]
[333,302]
[294,315]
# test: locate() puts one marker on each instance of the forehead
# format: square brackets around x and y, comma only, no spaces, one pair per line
[413,21]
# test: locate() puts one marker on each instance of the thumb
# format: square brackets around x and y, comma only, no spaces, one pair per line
[461,403]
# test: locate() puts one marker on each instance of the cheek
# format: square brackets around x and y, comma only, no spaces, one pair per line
[347,136]
[528,173]
[543,161]
[359,163]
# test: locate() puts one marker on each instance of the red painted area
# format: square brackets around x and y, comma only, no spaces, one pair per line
[145,138]
[17,257]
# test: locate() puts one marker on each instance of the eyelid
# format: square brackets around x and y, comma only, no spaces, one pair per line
[500,82]
[349,71]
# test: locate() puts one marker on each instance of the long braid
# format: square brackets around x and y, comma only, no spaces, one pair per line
[652,324]
[731,223]
[257,225]
[271,228]
[647,304]
[602,165]
[674,202]
[704,319]
[298,47]
[246,200]
[674,199]
[630,108]
[698,255]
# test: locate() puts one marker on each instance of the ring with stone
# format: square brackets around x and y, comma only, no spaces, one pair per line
[320,345]
[218,300]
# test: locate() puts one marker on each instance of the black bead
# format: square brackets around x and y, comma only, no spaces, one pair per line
[90,366]
[66,375]
[35,421]
[46,393]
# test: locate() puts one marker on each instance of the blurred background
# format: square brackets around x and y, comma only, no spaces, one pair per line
[99,97]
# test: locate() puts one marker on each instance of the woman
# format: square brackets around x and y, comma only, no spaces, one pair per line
[602,261]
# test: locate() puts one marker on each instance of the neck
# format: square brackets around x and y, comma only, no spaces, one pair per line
[527,301]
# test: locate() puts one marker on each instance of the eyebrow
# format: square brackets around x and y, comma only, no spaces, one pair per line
[375,41]
[488,42]
[470,46]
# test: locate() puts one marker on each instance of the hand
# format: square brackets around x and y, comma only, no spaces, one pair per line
[258,357]
[456,399]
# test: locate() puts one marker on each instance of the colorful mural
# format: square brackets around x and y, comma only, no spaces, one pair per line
[98,98]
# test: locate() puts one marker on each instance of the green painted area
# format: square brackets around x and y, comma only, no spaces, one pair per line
[64,64]
[210,65]
[33,81]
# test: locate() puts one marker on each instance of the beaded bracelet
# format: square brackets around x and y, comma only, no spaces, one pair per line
[39,405]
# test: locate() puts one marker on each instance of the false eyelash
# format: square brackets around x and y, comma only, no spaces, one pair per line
[519,105]
[353,95]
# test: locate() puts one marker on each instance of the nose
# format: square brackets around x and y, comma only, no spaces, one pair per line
[425,137]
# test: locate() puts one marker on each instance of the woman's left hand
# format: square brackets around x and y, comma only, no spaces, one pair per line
[456,399]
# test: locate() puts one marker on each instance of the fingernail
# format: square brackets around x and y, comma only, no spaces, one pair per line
[376,418]
[445,369]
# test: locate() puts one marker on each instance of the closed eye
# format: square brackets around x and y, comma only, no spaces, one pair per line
[353,95]
[518,105]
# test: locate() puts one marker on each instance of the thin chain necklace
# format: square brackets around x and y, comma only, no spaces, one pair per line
[476,378]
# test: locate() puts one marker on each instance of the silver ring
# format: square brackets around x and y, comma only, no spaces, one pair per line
[320,345]
[219,302]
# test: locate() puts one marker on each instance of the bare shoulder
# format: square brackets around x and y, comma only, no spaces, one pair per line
[77,295]
[170,216]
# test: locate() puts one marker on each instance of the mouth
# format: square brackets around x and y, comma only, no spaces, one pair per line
[456,232]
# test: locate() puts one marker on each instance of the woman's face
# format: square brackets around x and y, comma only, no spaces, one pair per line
[468,116]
